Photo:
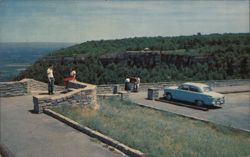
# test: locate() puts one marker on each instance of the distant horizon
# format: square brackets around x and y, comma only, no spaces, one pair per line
[35,42]
[59,42]
[81,21]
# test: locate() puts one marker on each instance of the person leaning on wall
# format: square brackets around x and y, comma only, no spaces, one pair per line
[73,73]
[71,77]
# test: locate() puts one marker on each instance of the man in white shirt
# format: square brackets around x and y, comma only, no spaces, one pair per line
[51,80]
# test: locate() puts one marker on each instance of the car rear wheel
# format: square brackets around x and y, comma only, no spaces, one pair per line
[199,103]
[168,96]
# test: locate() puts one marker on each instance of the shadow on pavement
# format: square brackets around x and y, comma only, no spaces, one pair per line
[32,111]
[43,93]
[187,104]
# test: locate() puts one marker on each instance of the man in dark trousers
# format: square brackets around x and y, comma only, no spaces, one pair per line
[51,80]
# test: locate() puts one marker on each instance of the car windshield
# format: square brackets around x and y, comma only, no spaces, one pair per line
[207,89]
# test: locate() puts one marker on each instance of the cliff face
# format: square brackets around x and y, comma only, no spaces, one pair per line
[143,59]
[63,60]
[151,58]
[150,65]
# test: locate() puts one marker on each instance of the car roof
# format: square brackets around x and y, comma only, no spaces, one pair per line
[196,84]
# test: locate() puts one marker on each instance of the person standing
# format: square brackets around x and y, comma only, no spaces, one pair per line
[138,81]
[127,84]
[51,80]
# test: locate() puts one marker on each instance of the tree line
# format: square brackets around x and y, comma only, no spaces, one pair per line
[227,57]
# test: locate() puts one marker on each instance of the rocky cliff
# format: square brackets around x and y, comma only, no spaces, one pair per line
[144,59]
[198,57]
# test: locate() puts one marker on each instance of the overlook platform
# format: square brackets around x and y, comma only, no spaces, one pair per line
[25,133]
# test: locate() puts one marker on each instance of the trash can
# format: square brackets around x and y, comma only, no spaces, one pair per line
[115,89]
[153,93]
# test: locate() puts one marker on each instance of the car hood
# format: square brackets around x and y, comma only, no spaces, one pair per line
[215,94]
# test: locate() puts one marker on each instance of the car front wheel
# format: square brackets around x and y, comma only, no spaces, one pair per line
[199,103]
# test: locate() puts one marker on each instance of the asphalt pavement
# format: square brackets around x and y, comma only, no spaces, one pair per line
[37,135]
[234,113]
[27,134]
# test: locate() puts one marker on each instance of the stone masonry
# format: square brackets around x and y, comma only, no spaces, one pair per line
[79,94]
[35,86]
[15,88]
[23,87]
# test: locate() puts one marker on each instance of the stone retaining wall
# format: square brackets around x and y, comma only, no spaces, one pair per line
[24,87]
[108,96]
[102,89]
[35,85]
[15,88]
[83,95]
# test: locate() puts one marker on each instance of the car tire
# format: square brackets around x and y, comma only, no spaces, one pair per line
[199,103]
[168,96]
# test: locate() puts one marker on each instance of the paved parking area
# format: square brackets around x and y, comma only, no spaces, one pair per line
[235,112]
[39,135]
[27,134]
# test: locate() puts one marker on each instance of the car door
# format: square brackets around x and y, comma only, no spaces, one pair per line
[181,93]
[194,94]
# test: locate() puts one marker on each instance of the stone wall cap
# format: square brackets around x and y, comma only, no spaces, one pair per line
[25,80]
[84,84]
[9,82]
[153,88]
[122,92]
[108,94]
[42,97]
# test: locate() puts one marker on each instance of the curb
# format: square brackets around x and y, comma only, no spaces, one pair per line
[183,104]
[193,118]
[5,152]
[105,139]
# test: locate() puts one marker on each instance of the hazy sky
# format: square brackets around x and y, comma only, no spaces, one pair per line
[79,21]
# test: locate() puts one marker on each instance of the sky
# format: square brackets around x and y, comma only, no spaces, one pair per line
[79,21]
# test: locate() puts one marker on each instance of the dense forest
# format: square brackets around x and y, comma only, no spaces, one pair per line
[224,56]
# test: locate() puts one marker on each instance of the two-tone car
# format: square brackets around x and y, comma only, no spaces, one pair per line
[198,93]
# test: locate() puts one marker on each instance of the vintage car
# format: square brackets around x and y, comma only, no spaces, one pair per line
[198,93]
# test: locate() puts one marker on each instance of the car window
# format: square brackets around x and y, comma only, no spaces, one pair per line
[194,89]
[207,89]
[184,87]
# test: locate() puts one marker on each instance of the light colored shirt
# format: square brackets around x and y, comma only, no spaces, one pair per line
[73,73]
[50,73]
[138,80]
[127,80]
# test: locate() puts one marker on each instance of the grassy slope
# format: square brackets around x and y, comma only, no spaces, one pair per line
[160,134]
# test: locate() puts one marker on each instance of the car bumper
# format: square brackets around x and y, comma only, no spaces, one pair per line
[218,101]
